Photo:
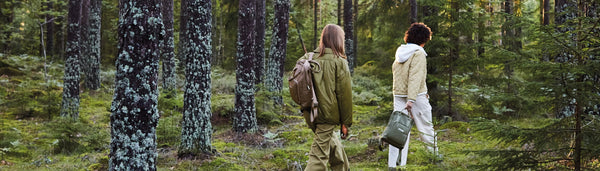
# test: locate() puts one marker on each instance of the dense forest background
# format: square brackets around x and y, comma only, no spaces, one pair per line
[514,84]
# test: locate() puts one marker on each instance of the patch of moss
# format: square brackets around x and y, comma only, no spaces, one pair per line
[296,136]
[10,71]
[460,126]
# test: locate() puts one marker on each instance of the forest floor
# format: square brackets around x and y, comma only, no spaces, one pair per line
[34,137]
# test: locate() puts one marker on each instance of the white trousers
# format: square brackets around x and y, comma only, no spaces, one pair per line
[421,111]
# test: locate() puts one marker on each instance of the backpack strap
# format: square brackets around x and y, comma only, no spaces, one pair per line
[316,67]
[315,104]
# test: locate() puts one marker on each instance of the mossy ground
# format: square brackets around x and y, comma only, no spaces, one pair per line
[33,136]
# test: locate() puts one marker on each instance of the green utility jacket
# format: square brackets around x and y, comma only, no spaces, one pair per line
[333,89]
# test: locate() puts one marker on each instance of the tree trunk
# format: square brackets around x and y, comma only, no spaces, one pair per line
[349,34]
[168,49]
[454,55]
[545,12]
[182,31]
[413,11]
[92,55]
[49,28]
[196,131]
[260,41]
[315,33]
[481,29]
[355,37]
[245,109]
[134,114]
[277,52]
[70,96]
[339,13]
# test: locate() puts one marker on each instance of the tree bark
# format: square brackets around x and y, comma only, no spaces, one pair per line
[196,131]
[182,30]
[168,50]
[545,12]
[481,28]
[70,96]
[413,11]
[245,109]
[277,52]
[339,13]
[315,33]
[349,34]
[260,41]
[49,28]
[454,55]
[134,113]
[92,55]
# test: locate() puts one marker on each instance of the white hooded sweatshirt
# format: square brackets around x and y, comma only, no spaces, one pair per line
[405,51]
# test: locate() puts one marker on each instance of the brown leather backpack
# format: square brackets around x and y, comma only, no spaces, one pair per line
[302,87]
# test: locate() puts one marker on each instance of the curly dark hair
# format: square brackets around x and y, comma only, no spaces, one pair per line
[418,33]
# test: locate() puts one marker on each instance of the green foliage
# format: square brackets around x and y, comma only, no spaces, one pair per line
[168,131]
[367,89]
[223,81]
[541,147]
[29,95]
[296,136]
[222,104]
[76,136]
[169,105]
[101,165]
[266,110]
[12,143]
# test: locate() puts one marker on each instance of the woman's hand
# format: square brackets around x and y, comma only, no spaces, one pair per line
[409,105]
[344,132]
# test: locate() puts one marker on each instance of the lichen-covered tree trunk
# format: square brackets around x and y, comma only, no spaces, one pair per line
[70,96]
[92,42]
[134,108]
[275,70]
[260,41]
[196,129]
[349,33]
[167,49]
[245,109]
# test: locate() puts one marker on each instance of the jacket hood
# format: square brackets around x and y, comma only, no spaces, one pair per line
[405,51]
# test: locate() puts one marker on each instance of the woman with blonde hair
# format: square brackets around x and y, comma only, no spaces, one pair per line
[334,94]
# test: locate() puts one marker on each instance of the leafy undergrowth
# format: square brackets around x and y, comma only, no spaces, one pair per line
[34,137]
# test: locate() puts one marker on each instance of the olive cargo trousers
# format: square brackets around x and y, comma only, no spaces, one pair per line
[326,148]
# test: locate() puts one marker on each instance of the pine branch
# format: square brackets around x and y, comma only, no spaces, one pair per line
[564,44]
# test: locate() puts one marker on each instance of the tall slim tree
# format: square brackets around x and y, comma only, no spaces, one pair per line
[245,109]
[134,113]
[315,16]
[181,53]
[339,12]
[545,10]
[349,34]
[91,57]
[196,129]
[277,52]
[454,52]
[70,96]
[413,11]
[168,49]
[49,26]
[260,40]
